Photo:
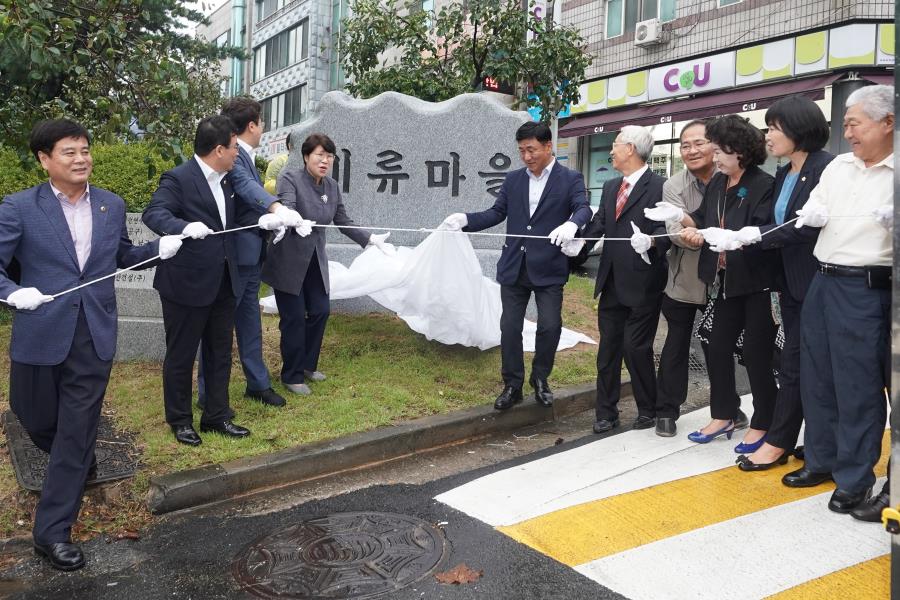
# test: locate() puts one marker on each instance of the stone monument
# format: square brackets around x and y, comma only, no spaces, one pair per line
[403,162]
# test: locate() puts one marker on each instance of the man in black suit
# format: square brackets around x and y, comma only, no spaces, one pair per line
[542,199]
[198,290]
[630,280]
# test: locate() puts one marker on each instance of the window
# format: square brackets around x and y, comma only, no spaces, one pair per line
[223,40]
[264,8]
[623,15]
[284,109]
[727,2]
[280,51]
[339,10]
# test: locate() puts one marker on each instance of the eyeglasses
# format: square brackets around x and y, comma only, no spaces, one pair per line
[326,157]
[698,145]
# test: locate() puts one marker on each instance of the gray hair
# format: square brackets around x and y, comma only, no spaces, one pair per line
[640,138]
[877,101]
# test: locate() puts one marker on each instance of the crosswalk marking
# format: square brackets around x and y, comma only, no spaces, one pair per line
[865,581]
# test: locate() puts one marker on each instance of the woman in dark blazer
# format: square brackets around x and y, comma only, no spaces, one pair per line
[297,267]
[739,281]
[797,131]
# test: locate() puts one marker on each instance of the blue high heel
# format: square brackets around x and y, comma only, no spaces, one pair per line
[752,447]
[705,438]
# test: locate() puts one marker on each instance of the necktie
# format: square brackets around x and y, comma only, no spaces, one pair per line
[621,198]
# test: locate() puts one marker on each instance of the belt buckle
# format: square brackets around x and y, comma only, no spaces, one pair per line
[828,269]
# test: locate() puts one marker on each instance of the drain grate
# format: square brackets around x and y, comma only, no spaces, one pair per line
[343,555]
[694,364]
[117,457]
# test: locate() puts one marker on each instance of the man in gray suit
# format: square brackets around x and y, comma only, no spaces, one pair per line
[64,233]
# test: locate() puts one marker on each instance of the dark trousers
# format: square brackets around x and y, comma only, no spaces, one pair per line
[672,376]
[248,330]
[514,299]
[625,332]
[302,320]
[788,416]
[209,326]
[751,313]
[845,343]
[59,407]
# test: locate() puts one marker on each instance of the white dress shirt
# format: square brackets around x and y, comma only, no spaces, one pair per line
[536,186]
[248,149]
[214,181]
[850,192]
[633,179]
[80,222]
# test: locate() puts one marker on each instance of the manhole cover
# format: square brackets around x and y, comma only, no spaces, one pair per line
[344,555]
[117,457]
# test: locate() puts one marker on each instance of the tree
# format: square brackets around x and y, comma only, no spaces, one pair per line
[122,67]
[434,56]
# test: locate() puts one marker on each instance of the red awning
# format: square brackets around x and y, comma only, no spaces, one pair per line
[879,78]
[708,105]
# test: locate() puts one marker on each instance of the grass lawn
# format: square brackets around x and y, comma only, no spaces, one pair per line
[379,373]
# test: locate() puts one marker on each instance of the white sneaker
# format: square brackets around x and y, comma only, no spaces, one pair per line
[298,388]
[314,375]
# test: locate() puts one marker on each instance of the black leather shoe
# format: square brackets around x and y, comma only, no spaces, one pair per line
[269,396]
[843,501]
[604,425]
[508,397]
[804,478]
[643,422]
[740,420]
[871,510]
[542,393]
[226,428]
[185,434]
[799,453]
[665,427]
[62,555]
[745,464]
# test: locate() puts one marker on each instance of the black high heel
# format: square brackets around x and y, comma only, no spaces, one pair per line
[745,464]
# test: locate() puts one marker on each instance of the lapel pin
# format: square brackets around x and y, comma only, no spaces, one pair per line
[803,178]
[102,209]
[325,198]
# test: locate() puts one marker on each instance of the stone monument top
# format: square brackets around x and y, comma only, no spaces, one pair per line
[404,162]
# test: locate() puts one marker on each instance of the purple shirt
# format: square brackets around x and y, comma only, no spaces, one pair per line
[80,221]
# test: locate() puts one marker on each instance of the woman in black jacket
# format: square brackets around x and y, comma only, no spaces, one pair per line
[739,281]
[797,131]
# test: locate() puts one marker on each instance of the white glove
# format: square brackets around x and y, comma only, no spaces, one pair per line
[196,231]
[749,235]
[564,233]
[884,215]
[279,235]
[304,228]
[573,247]
[28,298]
[813,214]
[289,217]
[270,222]
[664,211]
[377,240]
[641,242]
[721,240]
[169,246]
[455,222]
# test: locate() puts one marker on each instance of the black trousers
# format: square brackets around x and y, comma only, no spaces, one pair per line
[59,407]
[844,346]
[625,332]
[788,416]
[211,327]
[302,320]
[751,313]
[672,376]
[514,299]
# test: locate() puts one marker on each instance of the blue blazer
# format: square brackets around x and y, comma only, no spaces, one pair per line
[797,244]
[33,230]
[564,199]
[254,202]
[193,276]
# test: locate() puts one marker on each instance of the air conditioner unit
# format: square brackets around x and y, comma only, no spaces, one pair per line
[647,33]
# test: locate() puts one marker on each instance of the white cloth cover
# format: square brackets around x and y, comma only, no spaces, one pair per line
[437,288]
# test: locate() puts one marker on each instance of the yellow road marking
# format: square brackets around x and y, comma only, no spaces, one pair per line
[866,581]
[594,530]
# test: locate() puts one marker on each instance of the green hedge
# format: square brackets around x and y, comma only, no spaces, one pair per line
[119,168]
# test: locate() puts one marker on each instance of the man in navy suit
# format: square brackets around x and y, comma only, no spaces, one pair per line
[253,202]
[542,199]
[630,280]
[64,233]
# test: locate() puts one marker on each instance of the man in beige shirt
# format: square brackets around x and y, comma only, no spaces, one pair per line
[845,345]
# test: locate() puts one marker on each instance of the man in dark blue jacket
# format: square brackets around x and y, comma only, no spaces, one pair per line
[542,199]
[64,233]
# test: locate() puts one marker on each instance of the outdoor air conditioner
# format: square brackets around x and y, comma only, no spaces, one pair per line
[647,33]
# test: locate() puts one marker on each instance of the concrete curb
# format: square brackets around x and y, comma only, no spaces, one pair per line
[184,489]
